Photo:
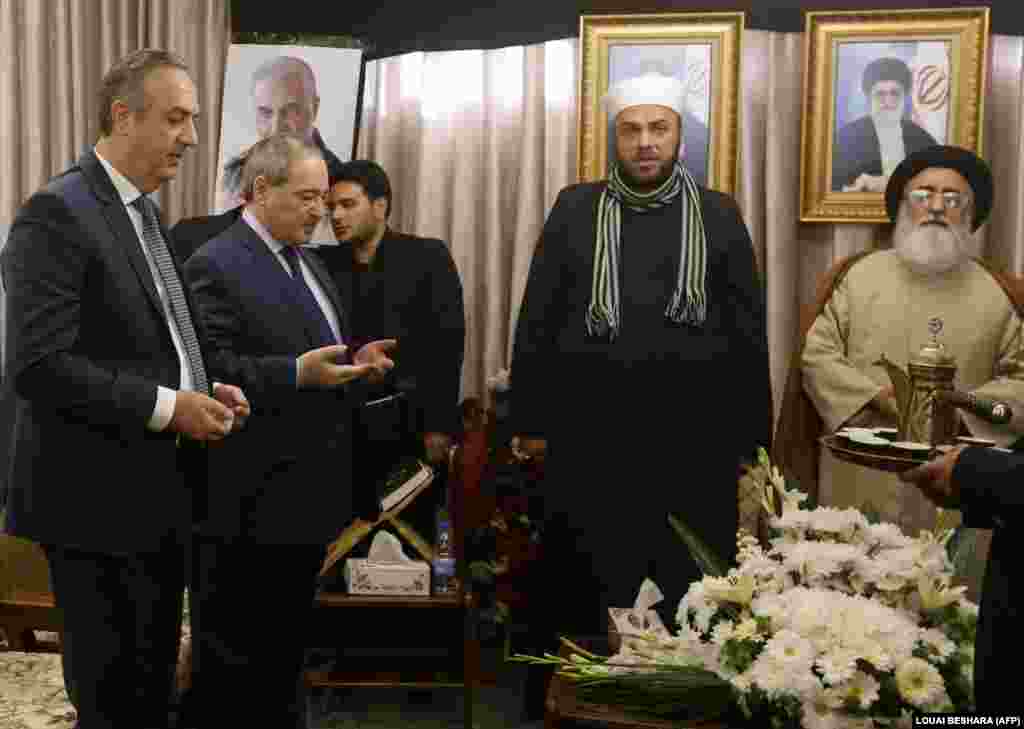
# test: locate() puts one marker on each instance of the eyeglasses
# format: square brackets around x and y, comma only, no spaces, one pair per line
[951,200]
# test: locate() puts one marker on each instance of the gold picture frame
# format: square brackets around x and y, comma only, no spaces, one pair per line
[705,47]
[851,65]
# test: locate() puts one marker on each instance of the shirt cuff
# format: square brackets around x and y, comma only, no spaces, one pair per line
[298,371]
[164,409]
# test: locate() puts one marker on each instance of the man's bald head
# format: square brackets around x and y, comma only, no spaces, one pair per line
[285,98]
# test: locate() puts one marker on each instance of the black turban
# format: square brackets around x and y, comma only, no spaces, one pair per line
[973,168]
[887,69]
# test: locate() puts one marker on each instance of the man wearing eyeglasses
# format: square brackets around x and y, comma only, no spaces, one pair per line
[868,149]
[880,303]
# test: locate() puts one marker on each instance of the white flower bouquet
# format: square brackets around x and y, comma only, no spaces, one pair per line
[834,622]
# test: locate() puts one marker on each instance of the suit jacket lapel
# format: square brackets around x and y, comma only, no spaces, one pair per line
[120,223]
[329,288]
[270,270]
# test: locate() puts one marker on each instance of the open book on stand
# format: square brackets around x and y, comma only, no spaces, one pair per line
[405,478]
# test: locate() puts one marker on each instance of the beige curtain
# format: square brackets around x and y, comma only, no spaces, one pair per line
[478,143]
[51,61]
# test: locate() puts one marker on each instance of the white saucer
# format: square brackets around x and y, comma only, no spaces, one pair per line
[868,439]
[907,445]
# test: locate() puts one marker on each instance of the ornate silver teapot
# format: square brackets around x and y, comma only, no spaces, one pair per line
[925,396]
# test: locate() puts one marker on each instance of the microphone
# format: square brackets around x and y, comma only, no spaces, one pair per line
[995,412]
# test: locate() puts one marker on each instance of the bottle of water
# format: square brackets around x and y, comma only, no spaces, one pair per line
[444,558]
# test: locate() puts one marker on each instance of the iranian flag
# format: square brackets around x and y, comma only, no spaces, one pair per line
[930,95]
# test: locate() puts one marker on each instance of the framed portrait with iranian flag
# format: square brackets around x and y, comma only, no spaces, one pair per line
[879,86]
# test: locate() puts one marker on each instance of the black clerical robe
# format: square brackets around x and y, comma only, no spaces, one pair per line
[656,421]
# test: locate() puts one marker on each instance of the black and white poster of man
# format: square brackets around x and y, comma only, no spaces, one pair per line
[270,89]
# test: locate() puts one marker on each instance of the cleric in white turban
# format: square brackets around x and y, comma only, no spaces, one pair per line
[667,91]
[643,317]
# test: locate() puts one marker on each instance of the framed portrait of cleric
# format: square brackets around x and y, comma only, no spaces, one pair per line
[701,50]
[881,85]
[305,90]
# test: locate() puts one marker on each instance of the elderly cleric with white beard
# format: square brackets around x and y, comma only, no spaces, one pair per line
[880,302]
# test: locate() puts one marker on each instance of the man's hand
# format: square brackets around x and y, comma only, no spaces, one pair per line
[200,417]
[935,479]
[529,449]
[435,446]
[375,355]
[885,400]
[868,183]
[234,398]
[319,367]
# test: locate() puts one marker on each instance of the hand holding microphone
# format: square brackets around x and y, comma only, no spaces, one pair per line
[993,411]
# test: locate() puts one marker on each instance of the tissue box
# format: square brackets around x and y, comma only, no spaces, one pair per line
[622,620]
[363,577]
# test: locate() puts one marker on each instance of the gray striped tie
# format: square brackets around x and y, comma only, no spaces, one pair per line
[172,284]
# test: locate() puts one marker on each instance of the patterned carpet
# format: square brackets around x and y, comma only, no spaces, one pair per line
[32,692]
[32,697]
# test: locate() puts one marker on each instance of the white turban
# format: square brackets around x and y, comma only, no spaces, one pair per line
[651,88]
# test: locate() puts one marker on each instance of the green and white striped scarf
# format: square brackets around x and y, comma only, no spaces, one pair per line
[689,301]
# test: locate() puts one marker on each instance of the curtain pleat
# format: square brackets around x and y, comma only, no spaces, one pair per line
[477,144]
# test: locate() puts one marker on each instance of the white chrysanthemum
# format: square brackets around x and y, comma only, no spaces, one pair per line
[862,688]
[886,536]
[818,710]
[938,643]
[842,523]
[723,632]
[747,630]
[778,679]
[790,650]
[837,666]
[737,587]
[833,621]
[741,681]
[936,592]
[791,522]
[844,721]
[696,599]
[919,683]
[817,559]
[932,556]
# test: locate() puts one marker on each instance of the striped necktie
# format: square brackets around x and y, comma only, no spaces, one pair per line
[157,246]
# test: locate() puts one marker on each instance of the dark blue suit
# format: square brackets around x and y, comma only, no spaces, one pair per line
[110,501]
[281,489]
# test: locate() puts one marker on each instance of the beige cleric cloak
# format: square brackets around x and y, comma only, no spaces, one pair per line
[795,447]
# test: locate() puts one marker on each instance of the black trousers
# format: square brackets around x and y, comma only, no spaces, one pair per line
[122,619]
[251,605]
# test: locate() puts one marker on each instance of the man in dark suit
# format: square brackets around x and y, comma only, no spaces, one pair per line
[188,234]
[403,287]
[868,149]
[283,488]
[984,483]
[105,355]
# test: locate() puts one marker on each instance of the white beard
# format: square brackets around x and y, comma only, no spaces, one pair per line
[930,250]
[887,119]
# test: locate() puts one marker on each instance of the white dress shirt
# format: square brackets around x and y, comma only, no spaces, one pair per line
[165,396]
[322,300]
